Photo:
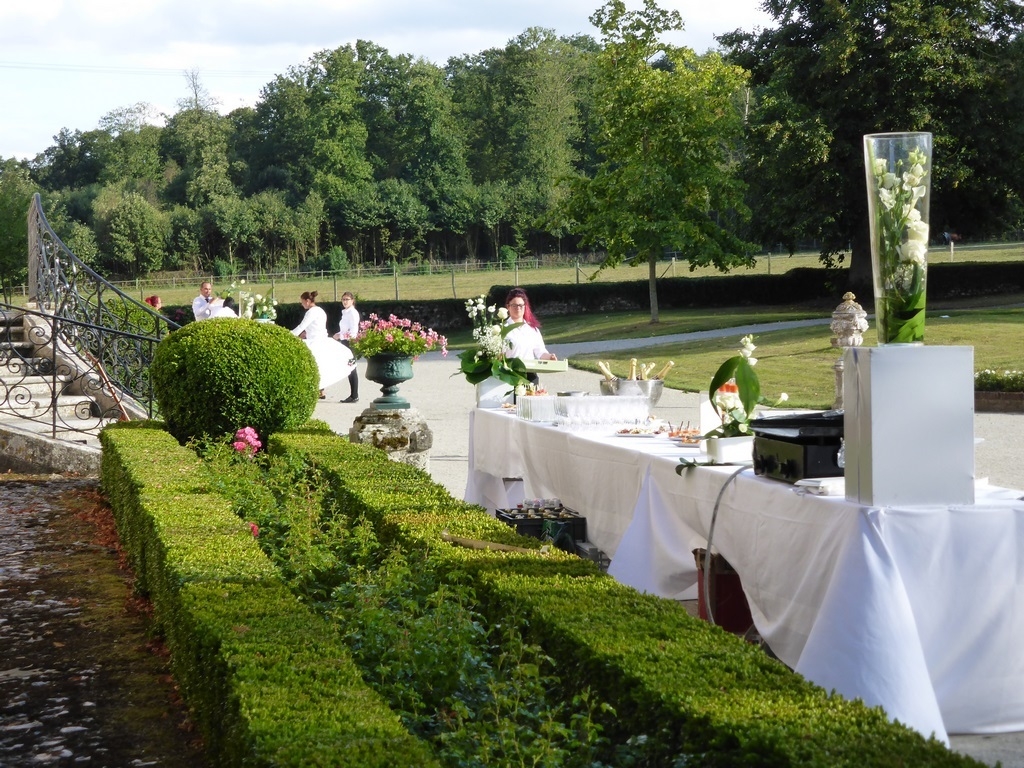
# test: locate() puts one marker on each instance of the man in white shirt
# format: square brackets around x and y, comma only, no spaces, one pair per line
[205,304]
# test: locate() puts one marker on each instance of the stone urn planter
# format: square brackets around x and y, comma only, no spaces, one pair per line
[389,370]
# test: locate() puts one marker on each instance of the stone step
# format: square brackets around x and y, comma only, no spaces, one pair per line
[45,429]
[11,318]
[11,347]
[26,383]
[36,387]
[70,408]
[24,365]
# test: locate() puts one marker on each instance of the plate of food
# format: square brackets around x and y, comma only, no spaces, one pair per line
[638,432]
[686,436]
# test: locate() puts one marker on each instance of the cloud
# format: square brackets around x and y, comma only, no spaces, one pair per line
[65,63]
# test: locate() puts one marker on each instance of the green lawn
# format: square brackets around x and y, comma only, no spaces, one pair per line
[453,283]
[799,362]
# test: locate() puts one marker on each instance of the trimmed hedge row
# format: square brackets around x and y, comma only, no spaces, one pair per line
[273,684]
[269,682]
[688,687]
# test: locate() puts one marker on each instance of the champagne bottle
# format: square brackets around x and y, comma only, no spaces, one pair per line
[664,371]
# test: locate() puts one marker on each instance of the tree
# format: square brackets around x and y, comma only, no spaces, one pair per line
[196,139]
[831,72]
[413,138]
[666,138]
[16,190]
[138,235]
[520,110]
[76,160]
[134,151]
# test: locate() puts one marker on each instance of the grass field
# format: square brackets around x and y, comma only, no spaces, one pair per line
[466,284]
[800,361]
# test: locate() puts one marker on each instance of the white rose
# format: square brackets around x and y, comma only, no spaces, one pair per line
[913,251]
[502,314]
[917,230]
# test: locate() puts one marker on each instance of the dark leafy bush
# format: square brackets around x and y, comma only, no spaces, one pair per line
[213,377]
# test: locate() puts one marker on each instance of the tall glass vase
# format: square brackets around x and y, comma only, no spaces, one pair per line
[898,169]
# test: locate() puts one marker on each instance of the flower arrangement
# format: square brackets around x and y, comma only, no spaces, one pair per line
[397,336]
[897,195]
[253,305]
[262,307]
[735,391]
[487,356]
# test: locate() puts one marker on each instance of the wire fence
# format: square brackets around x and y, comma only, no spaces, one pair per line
[581,268]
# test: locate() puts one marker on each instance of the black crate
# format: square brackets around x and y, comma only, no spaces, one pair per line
[531,522]
[575,524]
[526,523]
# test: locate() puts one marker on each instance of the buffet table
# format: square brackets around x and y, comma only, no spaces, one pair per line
[919,610]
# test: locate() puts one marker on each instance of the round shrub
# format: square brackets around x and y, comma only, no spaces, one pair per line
[213,377]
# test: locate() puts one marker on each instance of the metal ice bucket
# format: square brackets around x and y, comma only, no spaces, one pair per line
[649,388]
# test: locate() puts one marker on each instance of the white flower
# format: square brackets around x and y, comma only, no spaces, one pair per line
[728,401]
[783,397]
[886,198]
[913,251]
[502,313]
[917,230]
[747,349]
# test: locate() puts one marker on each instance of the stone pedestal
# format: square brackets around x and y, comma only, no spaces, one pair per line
[403,434]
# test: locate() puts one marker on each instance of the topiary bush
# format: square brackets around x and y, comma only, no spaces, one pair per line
[213,377]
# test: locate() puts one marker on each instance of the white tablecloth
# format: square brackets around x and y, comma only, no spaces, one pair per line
[919,610]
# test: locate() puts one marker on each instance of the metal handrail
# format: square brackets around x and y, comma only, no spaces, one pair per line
[102,324]
[51,376]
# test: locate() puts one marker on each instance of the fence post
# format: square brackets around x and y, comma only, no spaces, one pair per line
[394,266]
[335,277]
[577,271]
[516,283]
[454,294]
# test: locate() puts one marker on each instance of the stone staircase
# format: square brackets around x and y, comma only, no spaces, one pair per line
[48,422]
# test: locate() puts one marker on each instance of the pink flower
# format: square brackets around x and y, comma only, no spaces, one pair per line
[255,529]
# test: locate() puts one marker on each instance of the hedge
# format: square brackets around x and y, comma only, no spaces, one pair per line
[273,684]
[269,682]
[688,687]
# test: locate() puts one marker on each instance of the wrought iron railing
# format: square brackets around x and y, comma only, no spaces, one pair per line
[95,324]
[50,376]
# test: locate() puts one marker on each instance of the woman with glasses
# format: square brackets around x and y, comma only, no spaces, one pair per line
[348,328]
[525,342]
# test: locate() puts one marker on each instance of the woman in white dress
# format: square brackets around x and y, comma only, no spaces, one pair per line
[332,358]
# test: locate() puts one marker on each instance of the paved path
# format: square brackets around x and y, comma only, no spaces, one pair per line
[445,401]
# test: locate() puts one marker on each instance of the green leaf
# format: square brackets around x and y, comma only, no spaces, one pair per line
[749,386]
[725,372]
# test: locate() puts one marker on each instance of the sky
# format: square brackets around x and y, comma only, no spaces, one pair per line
[67,63]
